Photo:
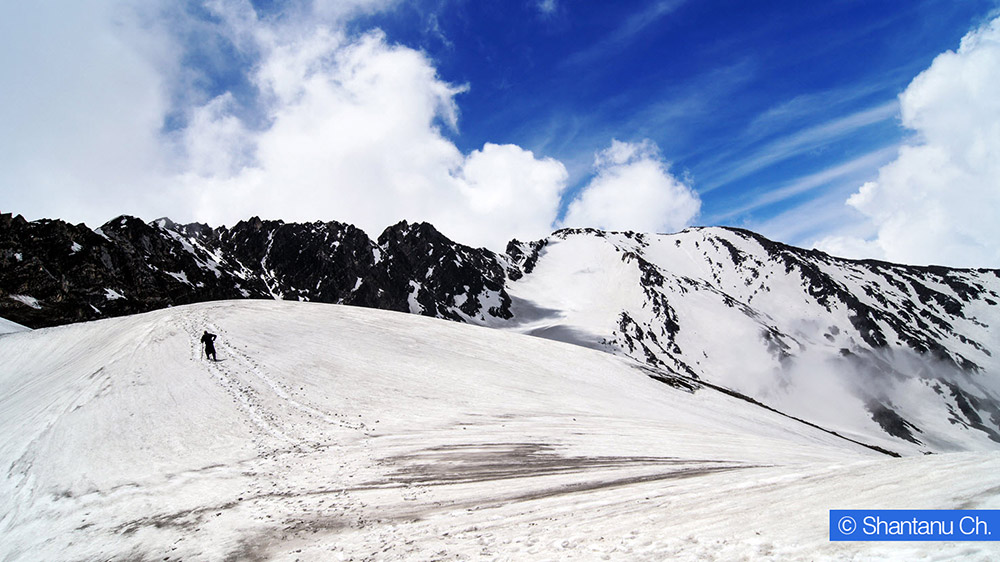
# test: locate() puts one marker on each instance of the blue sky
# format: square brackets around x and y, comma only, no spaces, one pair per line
[743,98]
[497,119]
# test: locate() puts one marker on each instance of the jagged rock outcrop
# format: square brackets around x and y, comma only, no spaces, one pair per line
[56,273]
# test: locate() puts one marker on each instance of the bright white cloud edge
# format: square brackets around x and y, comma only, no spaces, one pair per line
[354,129]
[939,201]
[633,189]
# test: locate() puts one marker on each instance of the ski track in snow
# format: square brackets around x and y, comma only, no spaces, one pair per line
[438,441]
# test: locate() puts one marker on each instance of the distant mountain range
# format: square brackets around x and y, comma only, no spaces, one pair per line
[900,358]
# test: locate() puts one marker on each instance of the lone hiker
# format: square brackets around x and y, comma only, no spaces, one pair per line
[209,341]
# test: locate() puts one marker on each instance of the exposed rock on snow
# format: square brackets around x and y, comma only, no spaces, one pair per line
[902,357]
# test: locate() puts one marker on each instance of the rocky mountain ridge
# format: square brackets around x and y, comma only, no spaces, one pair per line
[865,348]
[57,273]
[900,357]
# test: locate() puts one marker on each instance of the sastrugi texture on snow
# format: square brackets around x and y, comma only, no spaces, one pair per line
[899,357]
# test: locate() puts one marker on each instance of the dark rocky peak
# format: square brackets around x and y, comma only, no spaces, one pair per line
[134,235]
[52,245]
[69,272]
[429,274]
[250,239]
[194,229]
[515,249]
[564,233]
[255,239]
[418,234]
[8,220]
[125,225]
[419,246]
[255,223]
[166,224]
[522,257]
[328,262]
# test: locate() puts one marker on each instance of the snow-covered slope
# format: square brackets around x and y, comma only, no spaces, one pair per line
[330,432]
[7,327]
[907,358]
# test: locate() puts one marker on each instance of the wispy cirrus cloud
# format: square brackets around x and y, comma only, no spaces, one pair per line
[547,7]
[800,142]
[622,36]
[817,218]
[839,173]
[803,109]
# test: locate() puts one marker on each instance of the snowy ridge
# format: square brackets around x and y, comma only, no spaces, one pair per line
[331,432]
[899,356]
[8,327]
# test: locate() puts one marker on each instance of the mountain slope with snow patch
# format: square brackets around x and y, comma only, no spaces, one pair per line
[903,357]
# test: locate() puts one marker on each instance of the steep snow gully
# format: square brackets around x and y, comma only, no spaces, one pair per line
[328,432]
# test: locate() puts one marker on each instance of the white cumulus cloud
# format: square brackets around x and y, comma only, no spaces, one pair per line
[215,112]
[124,114]
[81,104]
[939,201]
[633,190]
[356,134]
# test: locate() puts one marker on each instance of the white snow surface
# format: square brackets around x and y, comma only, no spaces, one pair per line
[27,300]
[112,295]
[328,432]
[7,327]
[180,276]
[411,297]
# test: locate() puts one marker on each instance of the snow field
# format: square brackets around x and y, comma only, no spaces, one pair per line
[330,432]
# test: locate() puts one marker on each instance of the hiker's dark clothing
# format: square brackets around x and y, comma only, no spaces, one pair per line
[209,339]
